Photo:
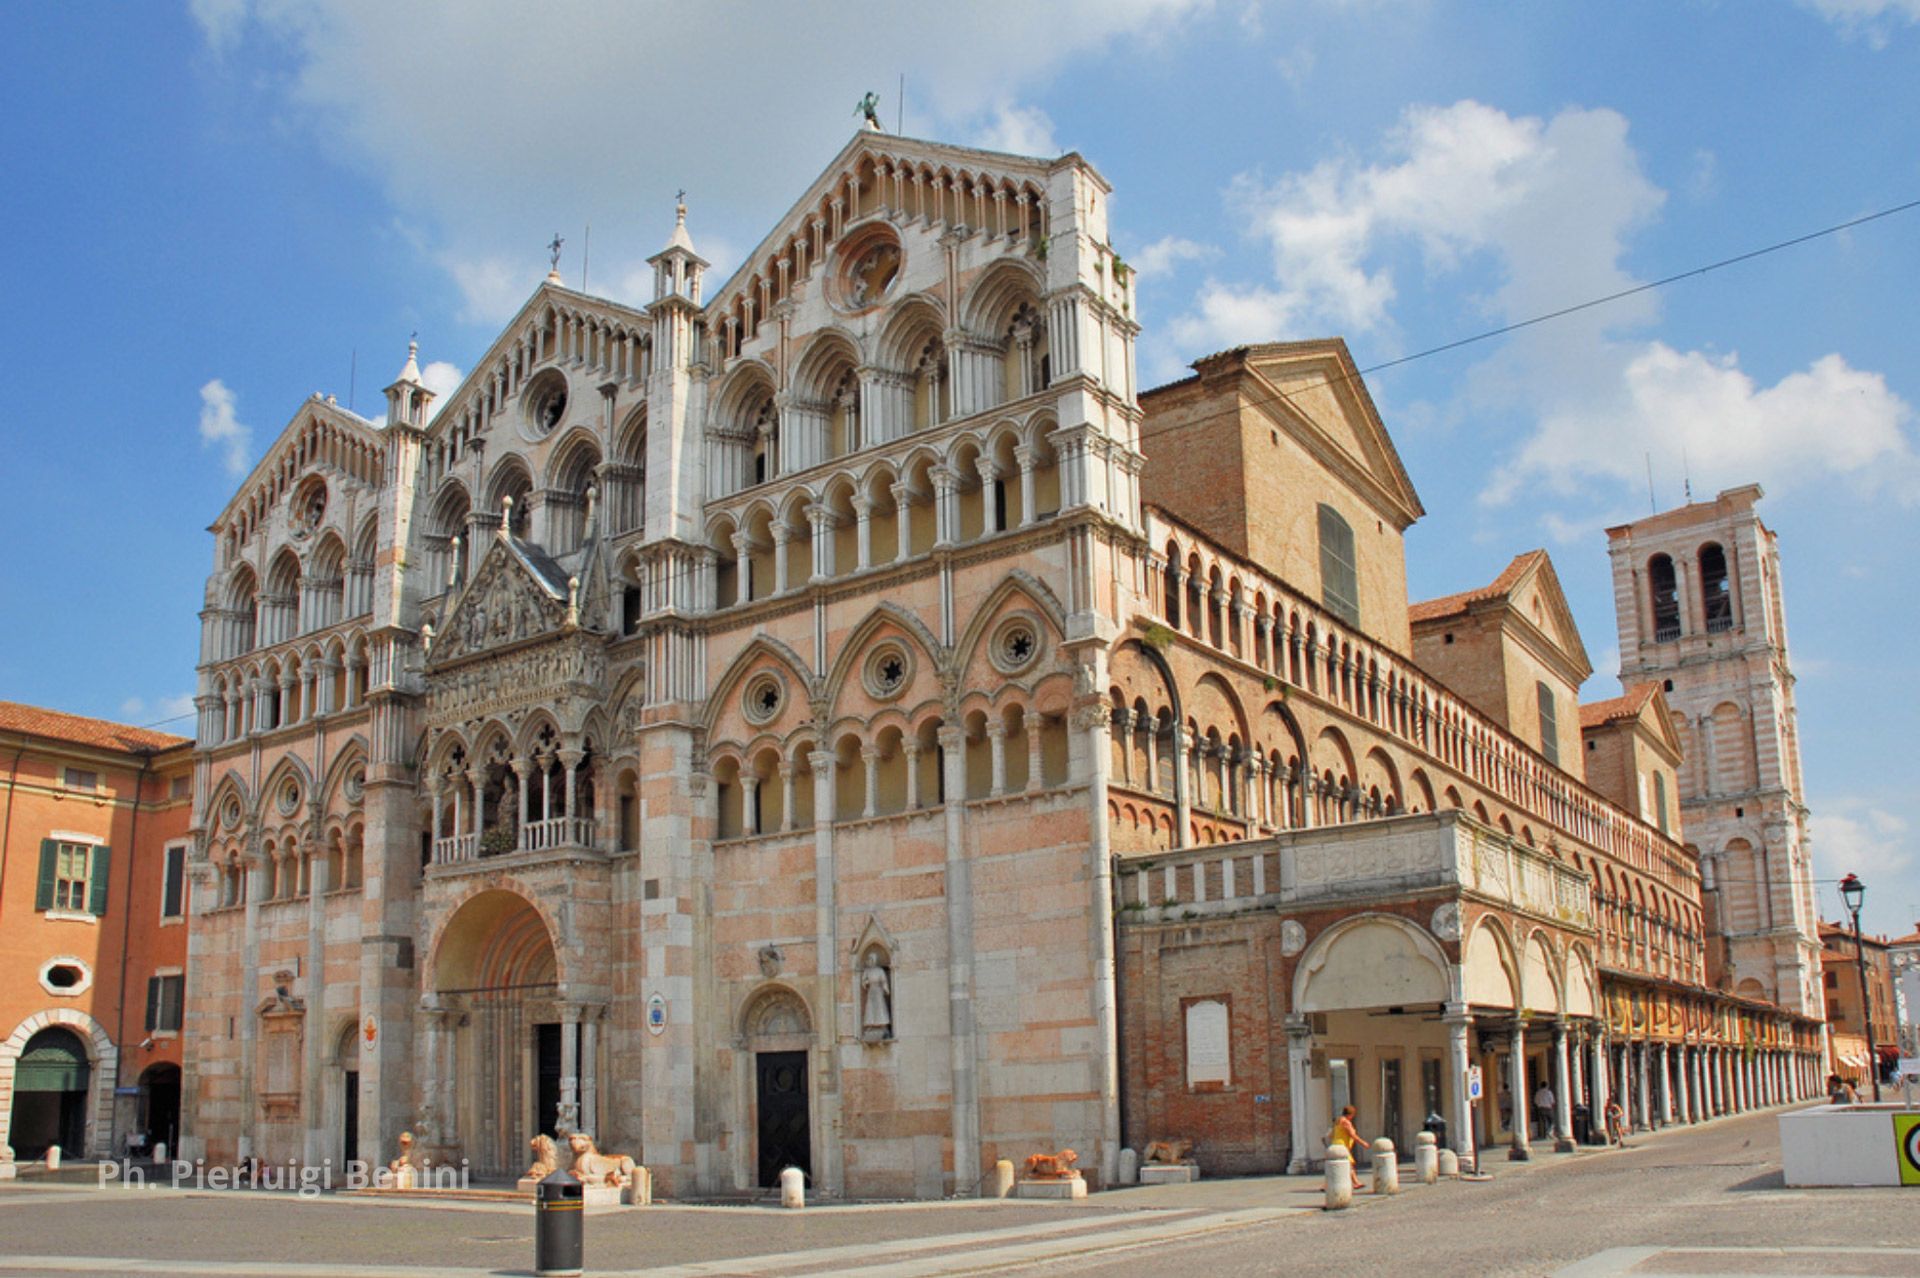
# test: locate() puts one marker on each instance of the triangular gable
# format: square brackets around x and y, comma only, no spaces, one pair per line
[512,597]
[317,414]
[1657,717]
[1538,598]
[887,148]
[531,315]
[1314,390]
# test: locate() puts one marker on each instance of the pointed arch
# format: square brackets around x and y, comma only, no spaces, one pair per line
[720,701]
[854,648]
[1018,581]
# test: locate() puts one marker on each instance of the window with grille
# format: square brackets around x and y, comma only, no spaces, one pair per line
[1716,591]
[1339,574]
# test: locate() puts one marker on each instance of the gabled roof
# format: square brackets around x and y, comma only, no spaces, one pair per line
[887,146]
[1529,573]
[1595,714]
[318,408]
[101,734]
[1332,415]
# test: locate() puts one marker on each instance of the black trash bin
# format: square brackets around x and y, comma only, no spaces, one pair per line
[557,1216]
[1438,1126]
[1582,1125]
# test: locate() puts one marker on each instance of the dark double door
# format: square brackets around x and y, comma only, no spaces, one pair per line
[785,1140]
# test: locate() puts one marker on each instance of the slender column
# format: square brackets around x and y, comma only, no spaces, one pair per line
[786,795]
[1127,719]
[960,1022]
[997,741]
[1152,729]
[870,757]
[1522,1147]
[944,532]
[822,521]
[1459,1023]
[569,1069]
[590,1072]
[1597,1075]
[1562,1091]
[911,748]
[1182,790]
[1024,456]
[1034,724]
[863,520]
[903,520]
[749,803]
[479,778]
[782,534]
[1666,1088]
[1643,1101]
[571,761]
[1684,1092]
[1299,1077]
[519,767]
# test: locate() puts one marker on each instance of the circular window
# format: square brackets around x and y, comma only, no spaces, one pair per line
[545,403]
[888,670]
[356,784]
[1015,646]
[64,976]
[309,508]
[764,696]
[289,797]
[230,811]
[869,268]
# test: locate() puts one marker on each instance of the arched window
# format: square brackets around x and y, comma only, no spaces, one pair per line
[1339,576]
[1716,593]
[1549,723]
[1660,801]
[1666,599]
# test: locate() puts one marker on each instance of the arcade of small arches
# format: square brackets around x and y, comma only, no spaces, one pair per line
[878,189]
[287,688]
[303,594]
[493,791]
[282,853]
[978,485]
[318,443]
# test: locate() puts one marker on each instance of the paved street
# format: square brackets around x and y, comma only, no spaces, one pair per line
[1696,1201]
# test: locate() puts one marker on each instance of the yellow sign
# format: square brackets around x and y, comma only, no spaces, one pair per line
[1906,1137]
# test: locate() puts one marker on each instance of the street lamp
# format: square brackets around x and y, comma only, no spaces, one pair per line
[1851,890]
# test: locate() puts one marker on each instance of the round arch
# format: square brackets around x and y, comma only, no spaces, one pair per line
[1372,960]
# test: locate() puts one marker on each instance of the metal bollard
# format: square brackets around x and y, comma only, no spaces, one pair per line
[1426,1158]
[1001,1183]
[793,1188]
[558,1209]
[1339,1177]
[1449,1163]
[1386,1167]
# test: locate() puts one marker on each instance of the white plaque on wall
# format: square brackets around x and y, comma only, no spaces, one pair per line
[1208,1057]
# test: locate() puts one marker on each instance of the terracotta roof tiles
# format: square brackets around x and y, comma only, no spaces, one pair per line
[1595,713]
[1452,605]
[57,725]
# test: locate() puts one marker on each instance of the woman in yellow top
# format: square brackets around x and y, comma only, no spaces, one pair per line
[1345,1134]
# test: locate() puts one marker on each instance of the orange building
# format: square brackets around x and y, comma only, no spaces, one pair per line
[93,937]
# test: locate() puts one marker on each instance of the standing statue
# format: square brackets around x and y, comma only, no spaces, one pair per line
[869,108]
[876,999]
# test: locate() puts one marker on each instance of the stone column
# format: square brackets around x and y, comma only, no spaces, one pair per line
[1024,455]
[997,740]
[1666,1088]
[1679,1075]
[1305,1132]
[1152,729]
[903,520]
[782,534]
[1602,1089]
[1092,718]
[1643,1099]
[590,1073]
[822,521]
[959,907]
[1034,758]
[569,1119]
[863,530]
[749,803]
[1182,790]
[1522,1147]
[786,795]
[1459,1023]
[1562,1091]
[870,762]
[944,531]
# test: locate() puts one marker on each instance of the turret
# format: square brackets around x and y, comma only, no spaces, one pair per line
[408,398]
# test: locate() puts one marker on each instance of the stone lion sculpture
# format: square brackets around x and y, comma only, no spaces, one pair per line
[546,1157]
[591,1167]
[1052,1166]
[1168,1151]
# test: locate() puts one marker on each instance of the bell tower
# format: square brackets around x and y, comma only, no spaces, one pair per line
[1698,596]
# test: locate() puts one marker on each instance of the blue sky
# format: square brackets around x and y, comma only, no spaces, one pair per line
[215,209]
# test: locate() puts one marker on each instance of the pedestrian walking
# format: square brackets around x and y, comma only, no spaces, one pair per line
[1840,1091]
[1543,1110]
[1345,1134]
[1616,1124]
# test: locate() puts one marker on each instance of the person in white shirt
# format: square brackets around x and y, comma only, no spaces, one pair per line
[1543,1109]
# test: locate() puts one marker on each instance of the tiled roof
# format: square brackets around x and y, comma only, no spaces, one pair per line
[1452,605]
[1595,713]
[78,729]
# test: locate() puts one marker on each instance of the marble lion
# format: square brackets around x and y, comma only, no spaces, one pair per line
[546,1157]
[591,1167]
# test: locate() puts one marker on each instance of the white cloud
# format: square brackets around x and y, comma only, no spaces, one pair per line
[441,378]
[220,427]
[1872,19]
[1829,421]
[489,126]
[1160,257]
[1853,835]
[221,22]
[1020,130]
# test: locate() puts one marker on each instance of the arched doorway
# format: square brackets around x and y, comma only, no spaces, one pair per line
[778,1034]
[499,1070]
[51,1081]
[160,1106]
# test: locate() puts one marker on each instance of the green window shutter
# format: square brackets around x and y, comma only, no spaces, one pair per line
[101,863]
[153,1003]
[49,870]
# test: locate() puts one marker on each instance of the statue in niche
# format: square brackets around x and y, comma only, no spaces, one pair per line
[876,999]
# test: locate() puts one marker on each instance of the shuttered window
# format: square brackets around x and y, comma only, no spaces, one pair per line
[1339,576]
[1549,724]
[73,877]
[173,891]
[164,997]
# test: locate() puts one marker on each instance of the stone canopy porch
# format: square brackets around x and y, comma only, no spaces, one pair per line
[1386,960]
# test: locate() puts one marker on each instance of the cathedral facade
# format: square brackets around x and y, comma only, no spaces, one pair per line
[837,720]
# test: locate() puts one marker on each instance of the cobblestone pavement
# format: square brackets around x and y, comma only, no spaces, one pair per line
[1691,1201]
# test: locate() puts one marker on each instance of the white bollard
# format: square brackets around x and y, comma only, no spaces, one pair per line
[1426,1158]
[1449,1163]
[793,1188]
[160,1152]
[1129,1166]
[1339,1177]
[53,1158]
[1386,1167]
[1002,1183]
